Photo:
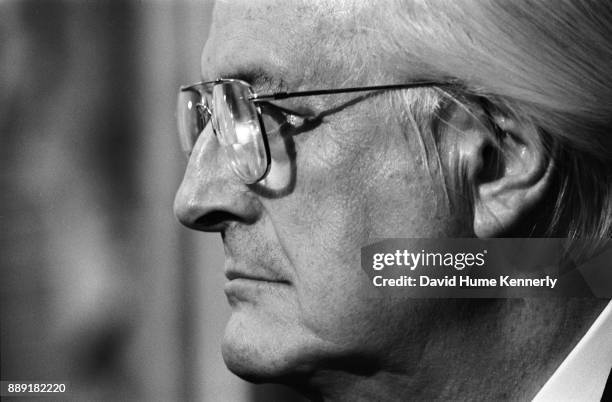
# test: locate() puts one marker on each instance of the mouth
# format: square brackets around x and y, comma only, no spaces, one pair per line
[233,275]
[246,286]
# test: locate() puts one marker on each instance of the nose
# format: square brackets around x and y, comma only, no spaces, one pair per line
[211,196]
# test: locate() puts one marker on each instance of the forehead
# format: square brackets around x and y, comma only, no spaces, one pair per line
[292,40]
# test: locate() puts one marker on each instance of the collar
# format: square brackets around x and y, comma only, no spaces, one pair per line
[582,375]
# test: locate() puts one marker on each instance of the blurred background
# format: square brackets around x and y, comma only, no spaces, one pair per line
[100,286]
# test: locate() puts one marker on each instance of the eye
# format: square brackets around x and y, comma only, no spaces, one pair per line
[279,121]
[295,120]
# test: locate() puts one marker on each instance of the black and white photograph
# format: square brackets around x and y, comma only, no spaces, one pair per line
[306,200]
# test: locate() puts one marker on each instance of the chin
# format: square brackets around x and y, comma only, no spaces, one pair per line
[260,349]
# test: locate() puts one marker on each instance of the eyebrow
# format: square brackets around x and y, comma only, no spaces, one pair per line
[260,78]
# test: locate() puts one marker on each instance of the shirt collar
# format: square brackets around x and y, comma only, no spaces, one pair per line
[582,375]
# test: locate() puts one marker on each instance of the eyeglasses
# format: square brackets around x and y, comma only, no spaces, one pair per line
[234,110]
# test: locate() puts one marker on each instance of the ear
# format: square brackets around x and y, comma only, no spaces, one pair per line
[505,164]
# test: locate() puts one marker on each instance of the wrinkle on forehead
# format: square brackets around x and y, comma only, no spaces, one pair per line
[307,42]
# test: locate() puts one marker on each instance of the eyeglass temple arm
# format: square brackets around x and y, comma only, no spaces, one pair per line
[285,95]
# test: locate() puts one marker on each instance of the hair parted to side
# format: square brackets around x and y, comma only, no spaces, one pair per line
[548,63]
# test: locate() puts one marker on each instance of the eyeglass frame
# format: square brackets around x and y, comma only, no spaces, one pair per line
[273,96]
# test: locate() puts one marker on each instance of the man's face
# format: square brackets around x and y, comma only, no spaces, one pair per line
[299,298]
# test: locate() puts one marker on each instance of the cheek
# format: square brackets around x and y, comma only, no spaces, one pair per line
[281,176]
[326,212]
[351,187]
[342,188]
[410,203]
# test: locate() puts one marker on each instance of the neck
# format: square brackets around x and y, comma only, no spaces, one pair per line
[506,350]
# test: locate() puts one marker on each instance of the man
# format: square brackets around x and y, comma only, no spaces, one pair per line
[481,116]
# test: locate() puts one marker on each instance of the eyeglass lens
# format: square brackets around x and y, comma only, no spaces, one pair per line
[189,120]
[236,123]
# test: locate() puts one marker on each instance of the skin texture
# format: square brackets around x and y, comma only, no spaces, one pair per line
[309,318]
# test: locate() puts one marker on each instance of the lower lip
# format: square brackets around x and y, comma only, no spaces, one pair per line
[240,285]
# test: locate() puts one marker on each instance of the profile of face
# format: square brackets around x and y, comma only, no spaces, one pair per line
[301,303]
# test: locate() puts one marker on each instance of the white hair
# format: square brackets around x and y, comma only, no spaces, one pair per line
[548,63]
